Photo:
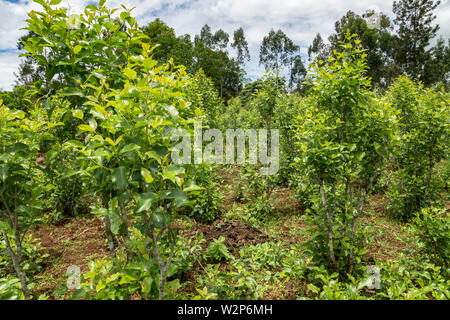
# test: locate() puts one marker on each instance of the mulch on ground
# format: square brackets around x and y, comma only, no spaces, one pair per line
[237,234]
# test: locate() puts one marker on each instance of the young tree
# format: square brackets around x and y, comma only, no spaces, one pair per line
[424,119]
[20,187]
[120,121]
[344,137]
[414,19]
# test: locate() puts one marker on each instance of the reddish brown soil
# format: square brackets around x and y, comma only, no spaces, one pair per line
[237,234]
[285,203]
[75,243]
[229,177]
[379,202]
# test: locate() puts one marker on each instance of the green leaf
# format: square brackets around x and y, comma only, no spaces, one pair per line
[145,201]
[101,153]
[119,178]
[130,74]
[193,187]
[110,141]
[18,113]
[77,49]
[41,2]
[147,175]
[72,92]
[78,114]
[129,147]
[55,2]
[147,284]
[85,127]
[3,171]
[149,63]
[172,172]
[159,219]
[116,221]
[98,75]
[177,195]
[153,155]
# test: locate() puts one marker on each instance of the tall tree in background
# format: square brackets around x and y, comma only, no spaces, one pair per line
[437,68]
[414,19]
[277,50]
[208,52]
[211,56]
[206,37]
[240,44]
[221,39]
[215,41]
[376,38]
[298,74]
[318,49]
[180,49]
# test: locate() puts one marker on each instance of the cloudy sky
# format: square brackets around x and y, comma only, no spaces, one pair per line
[299,19]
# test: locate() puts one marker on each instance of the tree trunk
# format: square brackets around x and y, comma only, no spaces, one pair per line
[16,259]
[329,227]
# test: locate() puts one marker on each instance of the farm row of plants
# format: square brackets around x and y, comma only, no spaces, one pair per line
[100,143]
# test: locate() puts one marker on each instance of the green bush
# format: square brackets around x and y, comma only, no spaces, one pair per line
[120,277]
[432,227]
[206,203]
[10,289]
[424,136]
[217,250]
[344,136]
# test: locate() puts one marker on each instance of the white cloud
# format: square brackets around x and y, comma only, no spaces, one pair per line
[299,19]
[9,62]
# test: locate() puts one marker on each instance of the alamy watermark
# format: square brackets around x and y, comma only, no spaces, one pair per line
[374,20]
[375,278]
[74,275]
[240,146]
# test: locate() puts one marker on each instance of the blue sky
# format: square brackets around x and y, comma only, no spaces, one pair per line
[299,19]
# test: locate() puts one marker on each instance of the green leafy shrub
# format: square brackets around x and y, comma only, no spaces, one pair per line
[256,190]
[217,250]
[405,279]
[206,202]
[424,126]
[259,268]
[10,289]
[119,278]
[118,122]
[32,257]
[410,279]
[432,227]
[260,209]
[20,186]
[344,137]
